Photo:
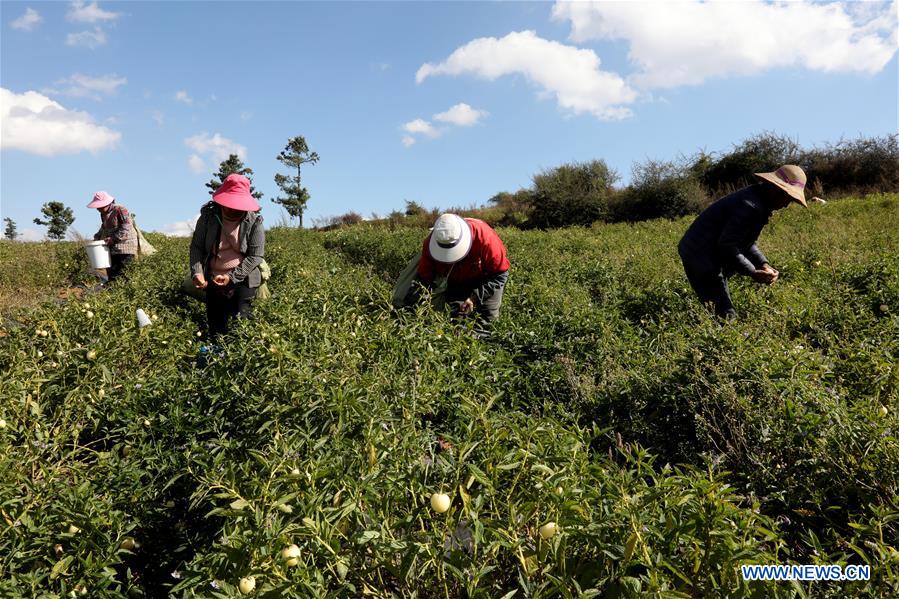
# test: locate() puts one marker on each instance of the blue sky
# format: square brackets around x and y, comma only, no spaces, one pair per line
[445,104]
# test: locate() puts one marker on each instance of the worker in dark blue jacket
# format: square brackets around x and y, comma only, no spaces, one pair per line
[722,239]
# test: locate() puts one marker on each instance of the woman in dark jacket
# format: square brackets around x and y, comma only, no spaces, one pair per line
[722,240]
[227,248]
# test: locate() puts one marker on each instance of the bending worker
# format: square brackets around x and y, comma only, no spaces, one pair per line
[722,239]
[225,253]
[470,258]
[117,231]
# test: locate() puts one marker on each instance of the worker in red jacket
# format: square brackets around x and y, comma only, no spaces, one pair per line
[470,258]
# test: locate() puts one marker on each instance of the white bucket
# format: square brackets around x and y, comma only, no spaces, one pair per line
[97,254]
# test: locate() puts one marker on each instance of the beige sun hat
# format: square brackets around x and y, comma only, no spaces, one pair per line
[791,179]
[450,239]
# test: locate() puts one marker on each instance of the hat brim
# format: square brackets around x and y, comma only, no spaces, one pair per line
[236,201]
[796,194]
[100,203]
[453,254]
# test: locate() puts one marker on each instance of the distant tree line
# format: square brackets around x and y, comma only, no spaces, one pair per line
[581,193]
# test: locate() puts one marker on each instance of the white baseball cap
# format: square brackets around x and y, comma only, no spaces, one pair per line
[450,239]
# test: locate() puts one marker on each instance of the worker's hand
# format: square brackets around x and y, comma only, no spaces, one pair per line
[467,306]
[768,268]
[200,281]
[764,277]
[221,280]
[108,241]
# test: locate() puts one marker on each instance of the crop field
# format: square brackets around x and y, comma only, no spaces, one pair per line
[667,448]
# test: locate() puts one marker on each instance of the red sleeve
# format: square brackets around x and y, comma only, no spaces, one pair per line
[426,264]
[494,253]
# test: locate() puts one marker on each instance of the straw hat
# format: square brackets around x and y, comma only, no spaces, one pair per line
[235,193]
[101,200]
[450,239]
[789,178]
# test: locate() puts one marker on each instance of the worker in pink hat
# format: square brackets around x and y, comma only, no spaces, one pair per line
[227,248]
[117,231]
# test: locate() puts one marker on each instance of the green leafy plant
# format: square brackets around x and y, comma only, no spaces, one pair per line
[667,449]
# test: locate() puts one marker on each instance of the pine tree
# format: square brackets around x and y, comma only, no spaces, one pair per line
[59,218]
[295,154]
[10,231]
[233,165]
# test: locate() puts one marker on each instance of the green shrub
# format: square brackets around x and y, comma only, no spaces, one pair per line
[863,165]
[571,194]
[760,153]
[658,190]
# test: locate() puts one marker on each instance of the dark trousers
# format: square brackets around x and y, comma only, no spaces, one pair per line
[711,287]
[117,264]
[224,303]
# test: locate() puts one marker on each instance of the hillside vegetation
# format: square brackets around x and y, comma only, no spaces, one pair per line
[582,193]
[669,449]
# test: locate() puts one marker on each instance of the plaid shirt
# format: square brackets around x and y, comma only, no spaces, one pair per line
[116,224]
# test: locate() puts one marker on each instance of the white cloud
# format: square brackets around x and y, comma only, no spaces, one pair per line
[686,42]
[421,127]
[184,228]
[212,148]
[196,164]
[88,39]
[34,123]
[84,86]
[461,114]
[28,21]
[246,115]
[158,117]
[570,74]
[81,12]
[183,97]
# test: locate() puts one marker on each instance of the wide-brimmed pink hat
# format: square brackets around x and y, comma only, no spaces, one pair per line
[235,194]
[789,178]
[101,199]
